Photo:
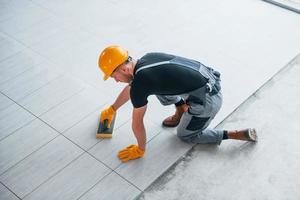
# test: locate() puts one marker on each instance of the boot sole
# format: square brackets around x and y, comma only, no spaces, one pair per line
[251,135]
[170,125]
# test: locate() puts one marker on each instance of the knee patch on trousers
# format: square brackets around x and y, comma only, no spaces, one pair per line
[197,123]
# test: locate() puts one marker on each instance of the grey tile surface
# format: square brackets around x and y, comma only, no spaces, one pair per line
[65,6]
[17,64]
[23,142]
[5,194]
[42,31]
[70,112]
[84,133]
[73,181]
[161,153]
[4,102]
[24,20]
[51,94]
[56,48]
[107,190]
[36,169]
[12,118]
[157,112]
[107,150]
[8,46]
[10,8]
[30,81]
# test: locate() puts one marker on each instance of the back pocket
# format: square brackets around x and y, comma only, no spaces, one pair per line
[197,123]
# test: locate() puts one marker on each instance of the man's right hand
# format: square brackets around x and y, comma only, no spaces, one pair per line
[108,114]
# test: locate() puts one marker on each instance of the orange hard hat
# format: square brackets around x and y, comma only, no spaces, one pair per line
[110,58]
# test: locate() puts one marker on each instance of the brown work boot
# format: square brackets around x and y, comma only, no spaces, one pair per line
[246,134]
[174,120]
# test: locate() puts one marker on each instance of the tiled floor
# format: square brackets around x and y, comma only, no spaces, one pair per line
[51,91]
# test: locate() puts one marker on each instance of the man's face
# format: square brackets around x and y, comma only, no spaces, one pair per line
[122,74]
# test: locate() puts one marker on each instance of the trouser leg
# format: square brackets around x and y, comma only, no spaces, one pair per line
[193,125]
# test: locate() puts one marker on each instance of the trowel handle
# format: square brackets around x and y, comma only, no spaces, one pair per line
[105,123]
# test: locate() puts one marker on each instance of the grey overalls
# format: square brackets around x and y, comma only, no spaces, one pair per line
[204,103]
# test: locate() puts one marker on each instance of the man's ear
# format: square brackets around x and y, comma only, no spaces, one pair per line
[124,68]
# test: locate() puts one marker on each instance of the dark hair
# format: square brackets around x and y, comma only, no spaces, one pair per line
[128,59]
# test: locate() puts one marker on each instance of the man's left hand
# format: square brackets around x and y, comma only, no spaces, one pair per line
[130,153]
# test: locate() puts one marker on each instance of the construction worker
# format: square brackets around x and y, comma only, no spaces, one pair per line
[193,87]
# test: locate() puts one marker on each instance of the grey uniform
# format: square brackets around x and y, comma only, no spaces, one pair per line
[173,79]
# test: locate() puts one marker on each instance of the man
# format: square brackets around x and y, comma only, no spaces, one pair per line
[193,87]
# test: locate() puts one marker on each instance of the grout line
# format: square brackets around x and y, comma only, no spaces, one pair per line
[283,5]
[128,181]
[83,118]
[94,185]
[89,148]
[57,76]
[59,134]
[20,126]
[10,56]
[43,145]
[53,175]
[61,102]
[41,6]
[10,190]
[13,101]
[58,15]
[9,79]
[53,63]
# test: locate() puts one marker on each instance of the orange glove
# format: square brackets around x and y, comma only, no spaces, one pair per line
[108,114]
[130,153]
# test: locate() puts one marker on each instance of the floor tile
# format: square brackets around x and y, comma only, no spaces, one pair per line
[5,194]
[8,46]
[17,64]
[28,82]
[24,20]
[83,174]
[107,150]
[161,153]
[72,111]
[51,94]
[39,166]
[156,112]
[112,187]
[23,142]
[10,8]
[54,7]
[4,102]
[12,118]
[67,48]
[42,31]
[84,133]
